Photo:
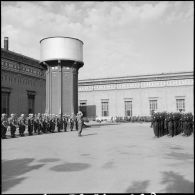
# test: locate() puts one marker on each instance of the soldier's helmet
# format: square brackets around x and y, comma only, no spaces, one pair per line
[22,115]
[80,113]
[12,115]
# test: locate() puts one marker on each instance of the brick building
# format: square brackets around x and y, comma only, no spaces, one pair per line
[22,84]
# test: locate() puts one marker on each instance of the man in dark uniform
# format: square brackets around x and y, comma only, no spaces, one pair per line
[13,125]
[65,122]
[39,123]
[72,121]
[22,125]
[59,122]
[4,125]
[30,124]
[80,122]
[170,125]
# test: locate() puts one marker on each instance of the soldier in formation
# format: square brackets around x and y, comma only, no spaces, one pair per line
[4,125]
[172,124]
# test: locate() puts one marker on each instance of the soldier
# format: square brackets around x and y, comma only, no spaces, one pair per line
[154,123]
[30,124]
[13,125]
[72,121]
[39,123]
[80,122]
[166,124]
[59,123]
[22,125]
[53,123]
[65,122]
[4,125]
[170,125]
[44,123]
[35,123]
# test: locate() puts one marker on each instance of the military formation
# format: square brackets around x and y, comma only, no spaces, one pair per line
[172,124]
[40,124]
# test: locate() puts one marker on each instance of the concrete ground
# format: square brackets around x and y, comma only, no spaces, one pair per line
[122,158]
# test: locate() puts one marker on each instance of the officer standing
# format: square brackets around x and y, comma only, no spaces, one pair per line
[13,125]
[65,122]
[170,125]
[4,125]
[30,124]
[59,123]
[22,125]
[72,118]
[80,122]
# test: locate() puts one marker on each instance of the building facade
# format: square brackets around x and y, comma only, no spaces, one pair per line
[136,95]
[22,84]
[23,90]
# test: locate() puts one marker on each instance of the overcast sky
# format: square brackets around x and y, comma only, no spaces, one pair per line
[120,38]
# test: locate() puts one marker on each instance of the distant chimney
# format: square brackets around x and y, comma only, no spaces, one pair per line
[6,43]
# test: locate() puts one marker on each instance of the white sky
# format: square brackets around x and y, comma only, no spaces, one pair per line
[120,38]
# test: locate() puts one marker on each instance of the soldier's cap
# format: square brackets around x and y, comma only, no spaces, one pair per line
[22,114]
[12,114]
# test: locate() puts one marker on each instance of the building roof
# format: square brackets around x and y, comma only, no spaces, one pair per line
[138,78]
[20,58]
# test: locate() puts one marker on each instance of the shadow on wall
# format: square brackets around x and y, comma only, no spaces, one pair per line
[138,187]
[176,183]
[12,169]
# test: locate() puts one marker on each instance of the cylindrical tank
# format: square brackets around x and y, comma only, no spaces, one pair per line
[62,57]
[61,48]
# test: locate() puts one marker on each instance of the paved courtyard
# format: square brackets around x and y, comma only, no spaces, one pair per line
[115,158]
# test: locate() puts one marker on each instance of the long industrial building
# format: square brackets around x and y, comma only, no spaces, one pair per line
[137,95]
[23,90]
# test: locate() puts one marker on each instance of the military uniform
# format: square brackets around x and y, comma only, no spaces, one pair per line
[4,125]
[80,122]
[13,125]
[72,121]
[170,126]
[65,122]
[30,124]
[59,123]
[22,125]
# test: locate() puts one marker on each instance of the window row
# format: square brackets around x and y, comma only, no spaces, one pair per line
[128,106]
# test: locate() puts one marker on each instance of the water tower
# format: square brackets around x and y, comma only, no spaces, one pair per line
[62,57]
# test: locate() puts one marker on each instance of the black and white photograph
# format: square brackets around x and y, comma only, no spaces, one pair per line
[97,97]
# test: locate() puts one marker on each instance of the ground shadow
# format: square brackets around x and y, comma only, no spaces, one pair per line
[108,165]
[85,154]
[138,187]
[175,148]
[11,169]
[89,134]
[69,167]
[45,160]
[180,156]
[176,183]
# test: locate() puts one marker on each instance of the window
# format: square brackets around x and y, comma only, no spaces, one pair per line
[5,102]
[128,108]
[105,110]
[83,102]
[31,102]
[180,105]
[153,106]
